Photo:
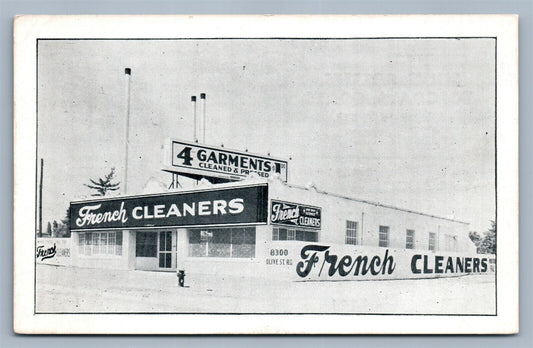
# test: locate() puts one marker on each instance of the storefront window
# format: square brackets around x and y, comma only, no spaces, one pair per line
[281,233]
[100,243]
[236,242]
[146,244]
[219,245]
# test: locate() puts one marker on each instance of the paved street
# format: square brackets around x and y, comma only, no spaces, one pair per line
[66,289]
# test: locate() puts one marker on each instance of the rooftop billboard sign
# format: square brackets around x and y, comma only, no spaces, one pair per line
[208,161]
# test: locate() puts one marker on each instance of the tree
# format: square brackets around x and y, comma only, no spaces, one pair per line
[475,238]
[485,244]
[488,244]
[65,225]
[103,186]
[49,229]
[55,226]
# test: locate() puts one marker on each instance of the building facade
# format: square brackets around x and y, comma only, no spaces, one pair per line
[268,228]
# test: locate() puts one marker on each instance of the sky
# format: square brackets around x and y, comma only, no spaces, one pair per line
[403,122]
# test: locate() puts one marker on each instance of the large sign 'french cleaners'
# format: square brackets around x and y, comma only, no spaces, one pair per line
[242,205]
[201,160]
[294,214]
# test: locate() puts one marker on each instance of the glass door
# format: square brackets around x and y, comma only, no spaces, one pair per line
[165,249]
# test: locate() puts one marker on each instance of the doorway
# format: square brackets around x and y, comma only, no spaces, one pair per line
[155,250]
[165,250]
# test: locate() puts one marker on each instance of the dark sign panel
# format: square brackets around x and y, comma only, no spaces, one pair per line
[295,214]
[240,205]
[218,162]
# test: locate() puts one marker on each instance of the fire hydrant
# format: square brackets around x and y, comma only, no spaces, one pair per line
[181,277]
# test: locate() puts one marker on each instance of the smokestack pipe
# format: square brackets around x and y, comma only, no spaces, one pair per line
[193,101]
[127,72]
[203,98]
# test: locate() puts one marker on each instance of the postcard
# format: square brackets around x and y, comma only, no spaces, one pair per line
[266,174]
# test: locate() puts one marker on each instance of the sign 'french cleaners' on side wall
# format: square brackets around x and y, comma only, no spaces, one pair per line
[242,205]
[293,214]
[209,161]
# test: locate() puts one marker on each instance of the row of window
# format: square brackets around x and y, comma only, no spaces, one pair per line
[281,233]
[220,242]
[100,243]
[238,242]
[384,232]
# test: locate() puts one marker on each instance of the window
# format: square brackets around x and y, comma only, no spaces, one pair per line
[291,235]
[100,243]
[146,244]
[431,244]
[243,242]
[409,239]
[383,236]
[351,232]
[450,242]
[222,242]
[281,233]
[492,265]
[310,236]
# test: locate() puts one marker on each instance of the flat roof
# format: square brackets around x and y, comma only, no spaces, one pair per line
[261,181]
[374,203]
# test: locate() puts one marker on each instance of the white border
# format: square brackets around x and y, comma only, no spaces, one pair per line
[29,28]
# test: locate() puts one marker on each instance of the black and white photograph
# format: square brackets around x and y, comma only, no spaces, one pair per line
[244,171]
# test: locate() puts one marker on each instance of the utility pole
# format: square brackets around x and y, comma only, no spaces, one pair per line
[41,201]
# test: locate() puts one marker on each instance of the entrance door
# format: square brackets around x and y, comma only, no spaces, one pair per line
[165,249]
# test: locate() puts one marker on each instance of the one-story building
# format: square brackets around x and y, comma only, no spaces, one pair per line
[264,227]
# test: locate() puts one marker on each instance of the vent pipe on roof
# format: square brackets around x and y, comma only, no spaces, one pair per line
[127,72]
[203,98]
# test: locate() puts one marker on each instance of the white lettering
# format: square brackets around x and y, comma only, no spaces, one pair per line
[158,211]
[219,206]
[236,206]
[87,215]
[147,213]
[122,213]
[203,208]
[134,213]
[189,209]
[279,214]
[173,211]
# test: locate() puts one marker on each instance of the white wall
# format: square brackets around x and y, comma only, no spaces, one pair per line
[60,250]
[106,261]
[285,266]
[336,210]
